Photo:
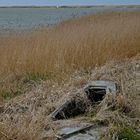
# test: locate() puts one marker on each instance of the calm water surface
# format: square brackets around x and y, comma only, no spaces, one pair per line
[12,19]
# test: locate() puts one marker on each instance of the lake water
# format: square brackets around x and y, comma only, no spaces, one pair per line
[12,19]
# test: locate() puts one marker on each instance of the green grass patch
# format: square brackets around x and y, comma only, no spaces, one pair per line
[7,95]
[38,77]
[128,134]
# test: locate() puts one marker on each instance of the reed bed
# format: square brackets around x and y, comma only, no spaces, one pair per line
[76,44]
[57,52]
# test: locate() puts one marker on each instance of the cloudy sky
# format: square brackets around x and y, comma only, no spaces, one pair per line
[68,2]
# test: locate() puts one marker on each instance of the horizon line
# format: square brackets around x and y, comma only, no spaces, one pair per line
[69,5]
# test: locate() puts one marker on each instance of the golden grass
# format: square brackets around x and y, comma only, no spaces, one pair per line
[78,44]
[72,45]
[26,117]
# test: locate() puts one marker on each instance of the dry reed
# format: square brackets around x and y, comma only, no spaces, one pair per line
[71,45]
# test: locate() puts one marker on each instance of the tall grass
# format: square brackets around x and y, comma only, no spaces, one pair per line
[72,45]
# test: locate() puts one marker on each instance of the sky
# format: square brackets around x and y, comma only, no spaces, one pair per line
[67,2]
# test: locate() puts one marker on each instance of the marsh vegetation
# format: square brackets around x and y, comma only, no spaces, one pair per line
[78,44]
[41,68]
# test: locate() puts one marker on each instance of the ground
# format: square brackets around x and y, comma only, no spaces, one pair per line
[27,116]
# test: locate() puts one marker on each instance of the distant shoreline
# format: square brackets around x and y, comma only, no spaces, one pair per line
[76,6]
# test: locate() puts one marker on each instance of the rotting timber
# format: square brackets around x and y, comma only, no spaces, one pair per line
[94,93]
